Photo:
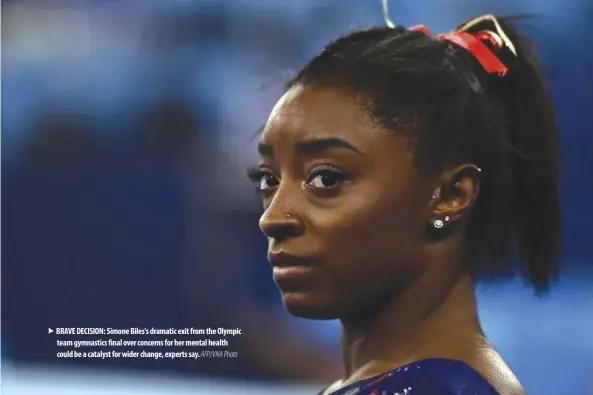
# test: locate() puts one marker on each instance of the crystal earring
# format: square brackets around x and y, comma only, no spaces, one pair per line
[439,223]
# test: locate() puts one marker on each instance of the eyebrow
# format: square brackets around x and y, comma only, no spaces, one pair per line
[311,147]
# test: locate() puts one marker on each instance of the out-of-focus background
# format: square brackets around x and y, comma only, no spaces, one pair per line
[127,126]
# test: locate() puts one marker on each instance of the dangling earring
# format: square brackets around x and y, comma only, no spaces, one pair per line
[439,223]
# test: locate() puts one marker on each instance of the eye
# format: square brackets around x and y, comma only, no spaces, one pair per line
[267,181]
[264,179]
[325,178]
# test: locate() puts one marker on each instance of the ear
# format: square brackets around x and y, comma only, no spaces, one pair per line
[457,191]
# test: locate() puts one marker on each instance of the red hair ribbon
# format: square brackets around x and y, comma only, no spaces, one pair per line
[473,44]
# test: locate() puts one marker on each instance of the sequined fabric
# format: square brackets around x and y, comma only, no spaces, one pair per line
[425,377]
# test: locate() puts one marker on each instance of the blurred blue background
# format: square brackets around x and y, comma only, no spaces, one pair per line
[126,131]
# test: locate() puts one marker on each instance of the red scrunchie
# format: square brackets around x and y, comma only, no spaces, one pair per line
[474,45]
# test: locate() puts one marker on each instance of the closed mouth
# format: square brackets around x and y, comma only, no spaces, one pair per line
[289,274]
[284,259]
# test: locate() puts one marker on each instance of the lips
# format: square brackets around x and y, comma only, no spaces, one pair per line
[288,267]
[285,259]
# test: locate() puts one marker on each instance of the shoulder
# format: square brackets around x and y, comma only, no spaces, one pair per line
[496,371]
[425,377]
[448,377]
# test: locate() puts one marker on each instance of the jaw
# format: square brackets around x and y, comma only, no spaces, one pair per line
[305,304]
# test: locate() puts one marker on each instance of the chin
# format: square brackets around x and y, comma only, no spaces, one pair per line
[306,305]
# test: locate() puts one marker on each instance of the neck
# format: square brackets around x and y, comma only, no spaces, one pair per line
[430,319]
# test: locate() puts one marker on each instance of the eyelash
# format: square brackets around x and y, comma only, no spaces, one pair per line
[257,174]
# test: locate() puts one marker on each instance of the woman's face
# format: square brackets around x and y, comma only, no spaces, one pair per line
[345,209]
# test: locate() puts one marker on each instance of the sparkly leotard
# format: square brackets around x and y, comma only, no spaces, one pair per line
[433,376]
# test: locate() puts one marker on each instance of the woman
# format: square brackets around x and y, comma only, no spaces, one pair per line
[397,169]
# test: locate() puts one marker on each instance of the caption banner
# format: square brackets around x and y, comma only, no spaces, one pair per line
[153,343]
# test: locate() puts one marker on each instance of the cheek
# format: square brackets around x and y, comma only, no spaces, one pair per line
[371,222]
[375,237]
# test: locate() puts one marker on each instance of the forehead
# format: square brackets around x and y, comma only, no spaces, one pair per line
[313,112]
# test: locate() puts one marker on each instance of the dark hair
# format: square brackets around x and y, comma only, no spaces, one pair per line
[457,112]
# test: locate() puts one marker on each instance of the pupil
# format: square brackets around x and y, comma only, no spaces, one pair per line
[326,179]
[269,180]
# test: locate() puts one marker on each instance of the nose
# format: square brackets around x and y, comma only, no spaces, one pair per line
[281,227]
[280,221]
